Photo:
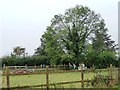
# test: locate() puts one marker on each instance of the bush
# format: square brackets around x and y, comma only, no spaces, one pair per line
[21,61]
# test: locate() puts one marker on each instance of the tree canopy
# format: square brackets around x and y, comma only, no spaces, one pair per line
[77,36]
[74,35]
[18,51]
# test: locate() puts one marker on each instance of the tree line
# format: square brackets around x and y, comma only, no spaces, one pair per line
[77,36]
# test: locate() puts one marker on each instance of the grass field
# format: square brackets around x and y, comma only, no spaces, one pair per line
[37,79]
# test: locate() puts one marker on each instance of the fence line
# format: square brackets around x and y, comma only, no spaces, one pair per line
[82,81]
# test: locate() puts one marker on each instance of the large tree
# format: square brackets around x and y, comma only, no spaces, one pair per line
[69,34]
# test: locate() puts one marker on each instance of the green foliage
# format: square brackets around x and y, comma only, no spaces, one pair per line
[79,35]
[7,60]
[30,61]
[100,59]
[18,51]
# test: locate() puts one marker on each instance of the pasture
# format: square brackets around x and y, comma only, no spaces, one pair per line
[37,79]
[56,77]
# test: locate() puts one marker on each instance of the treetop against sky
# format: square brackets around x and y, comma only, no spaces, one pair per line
[24,22]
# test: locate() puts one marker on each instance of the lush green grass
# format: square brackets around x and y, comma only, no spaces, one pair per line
[37,79]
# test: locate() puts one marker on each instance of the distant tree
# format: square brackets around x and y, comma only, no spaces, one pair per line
[102,42]
[8,60]
[19,51]
[105,49]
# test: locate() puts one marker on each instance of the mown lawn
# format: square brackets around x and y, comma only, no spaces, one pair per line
[37,79]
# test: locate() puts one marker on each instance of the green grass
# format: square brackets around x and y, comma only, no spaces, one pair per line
[37,79]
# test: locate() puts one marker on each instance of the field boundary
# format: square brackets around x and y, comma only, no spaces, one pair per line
[7,74]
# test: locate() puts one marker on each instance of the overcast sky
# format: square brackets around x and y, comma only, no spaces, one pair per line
[22,22]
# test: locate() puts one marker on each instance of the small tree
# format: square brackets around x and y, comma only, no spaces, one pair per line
[19,51]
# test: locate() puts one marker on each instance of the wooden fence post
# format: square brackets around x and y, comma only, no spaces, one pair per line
[111,69]
[7,78]
[47,78]
[111,77]
[4,68]
[118,74]
[82,76]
